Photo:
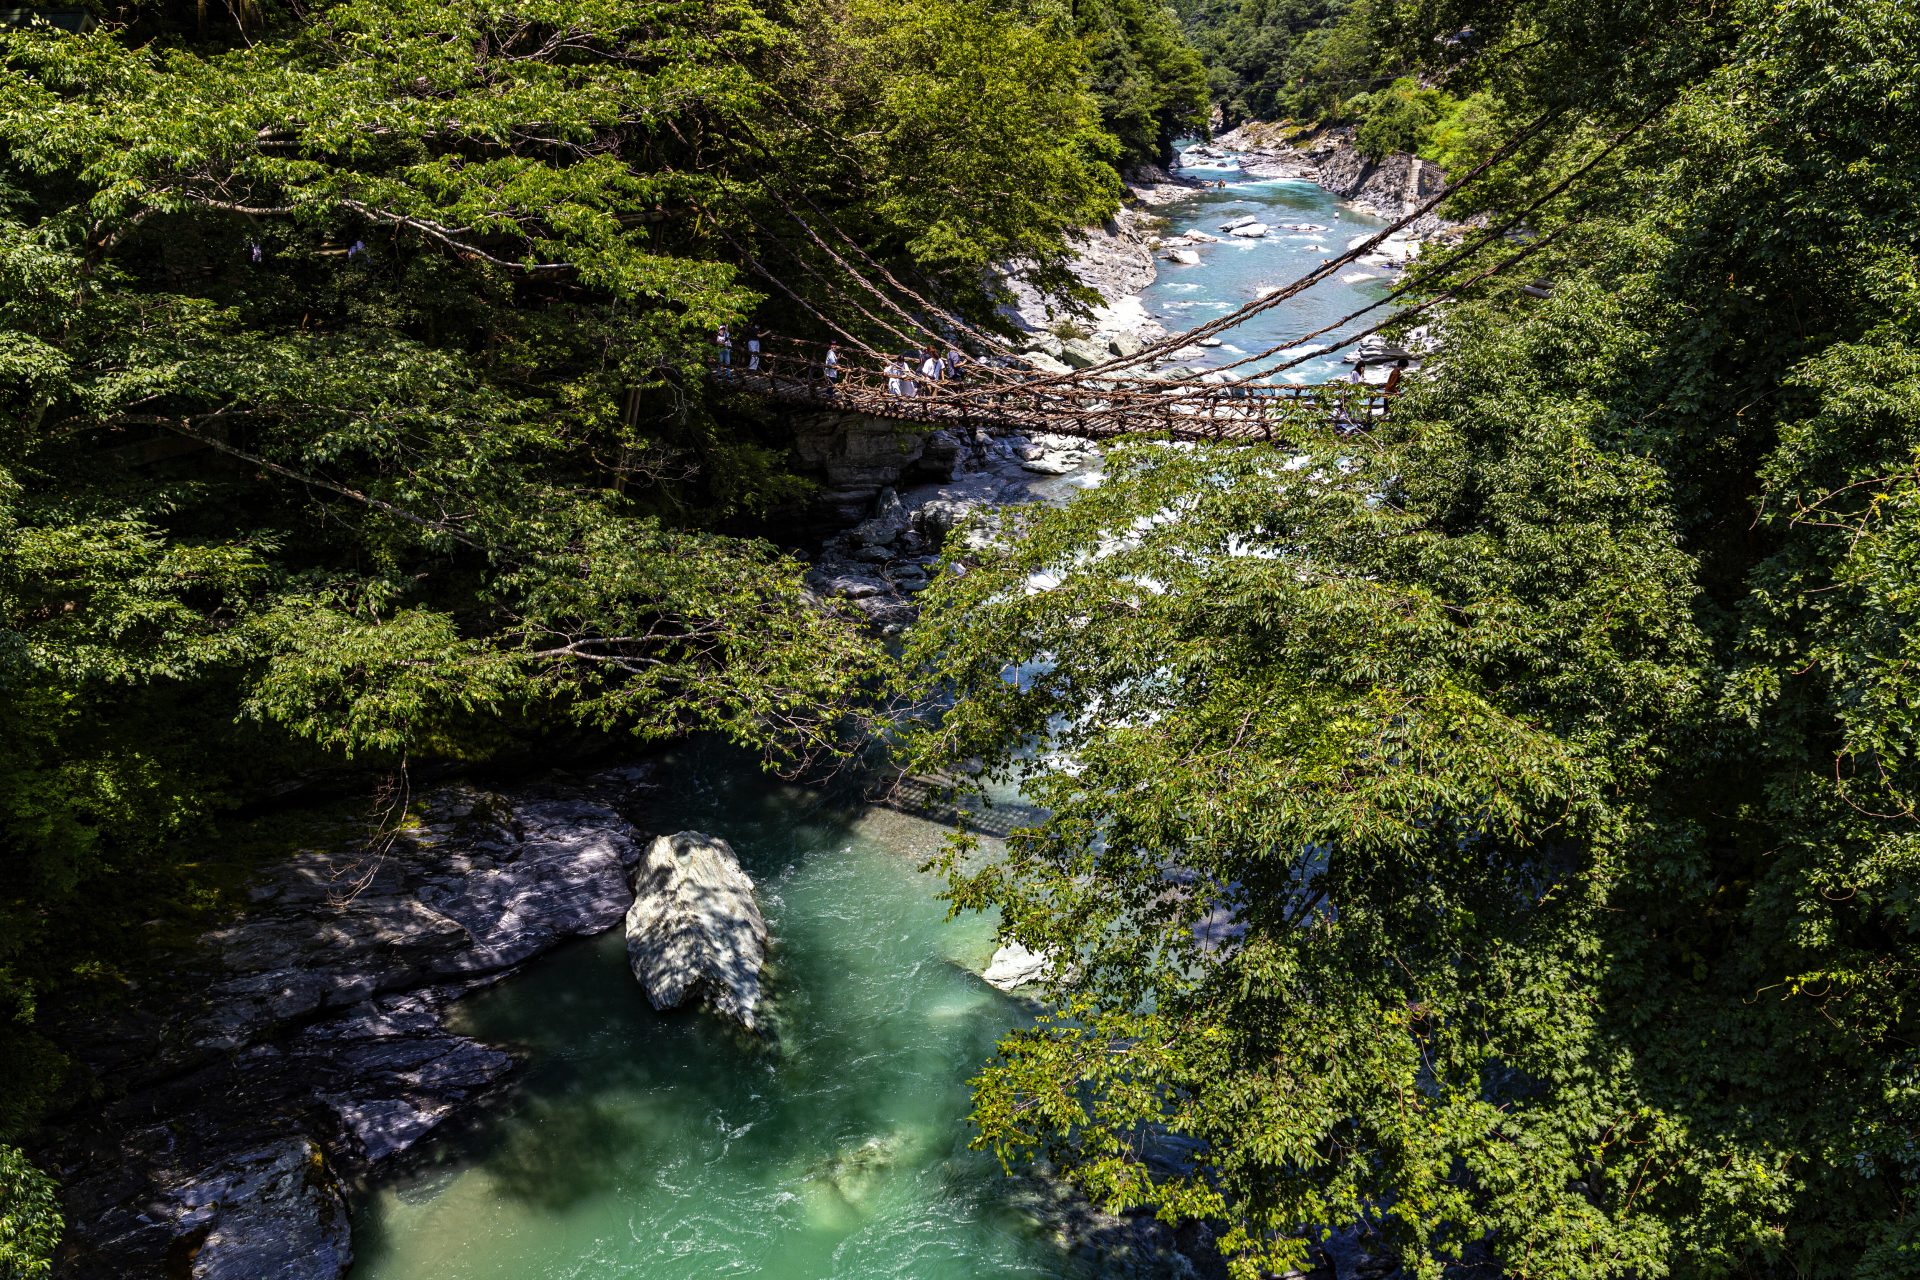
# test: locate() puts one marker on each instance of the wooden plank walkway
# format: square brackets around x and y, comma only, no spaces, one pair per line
[1096,407]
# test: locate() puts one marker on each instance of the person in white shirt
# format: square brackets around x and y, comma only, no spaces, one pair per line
[831,365]
[753,350]
[930,370]
[896,372]
[723,347]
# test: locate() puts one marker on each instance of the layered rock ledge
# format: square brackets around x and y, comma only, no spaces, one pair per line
[305,1045]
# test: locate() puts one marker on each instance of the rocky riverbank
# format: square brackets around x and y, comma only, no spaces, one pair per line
[880,564]
[1389,188]
[1116,259]
[302,1047]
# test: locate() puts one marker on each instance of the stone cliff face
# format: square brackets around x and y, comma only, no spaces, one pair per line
[1388,188]
[305,1046]
[855,457]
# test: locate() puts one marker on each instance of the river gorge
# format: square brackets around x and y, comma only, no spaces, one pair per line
[623,1142]
[670,1147]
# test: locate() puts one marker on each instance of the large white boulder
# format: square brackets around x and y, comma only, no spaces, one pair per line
[694,930]
[1013,967]
[1250,230]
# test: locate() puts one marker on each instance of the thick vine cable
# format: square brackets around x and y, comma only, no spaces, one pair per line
[1431,277]
[1234,318]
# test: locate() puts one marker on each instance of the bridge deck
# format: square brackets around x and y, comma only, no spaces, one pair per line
[1004,399]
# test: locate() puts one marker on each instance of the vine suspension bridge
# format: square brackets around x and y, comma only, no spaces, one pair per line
[997,396]
[997,387]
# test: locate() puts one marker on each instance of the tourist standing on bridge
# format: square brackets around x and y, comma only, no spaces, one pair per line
[830,366]
[723,348]
[930,370]
[951,365]
[1393,378]
[909,385]
[753,350]
[896,372]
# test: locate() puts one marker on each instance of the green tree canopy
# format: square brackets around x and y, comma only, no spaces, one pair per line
[1499,828]
[1151,83]
[352,363]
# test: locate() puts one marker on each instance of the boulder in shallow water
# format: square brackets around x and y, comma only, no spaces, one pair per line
[1013,967]
[694,930]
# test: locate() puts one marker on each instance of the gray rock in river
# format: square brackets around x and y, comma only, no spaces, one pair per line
[1013,967]
[302,1044]
[694,930]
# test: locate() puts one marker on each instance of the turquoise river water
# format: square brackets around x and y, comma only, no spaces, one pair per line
[636,1145]
[1235,271]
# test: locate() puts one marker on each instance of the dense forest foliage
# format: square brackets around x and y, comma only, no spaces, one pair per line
[352,363]
[1274,59]
[1151,82]
[1321,62]
[1544,763]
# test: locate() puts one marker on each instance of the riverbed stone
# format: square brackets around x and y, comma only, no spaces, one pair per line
[941,516]
[1013,966]
[694,931]
[1050,465]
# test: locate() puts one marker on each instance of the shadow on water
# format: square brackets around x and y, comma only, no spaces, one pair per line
[641,1144]
[927,800]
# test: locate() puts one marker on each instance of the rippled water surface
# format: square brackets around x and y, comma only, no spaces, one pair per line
[636,1144]
[1234,271]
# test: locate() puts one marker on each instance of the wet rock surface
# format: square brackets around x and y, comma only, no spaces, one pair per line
[306,1046]
[894,552]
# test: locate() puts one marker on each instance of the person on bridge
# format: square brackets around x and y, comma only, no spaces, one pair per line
[896,373]
[753,350]
[723,349]
[830,366]
[1393,378]
[950,367]
[930,370]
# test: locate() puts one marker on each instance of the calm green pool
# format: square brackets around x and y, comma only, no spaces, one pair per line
[635,1144]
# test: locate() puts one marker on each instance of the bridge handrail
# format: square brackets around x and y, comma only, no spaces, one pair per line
[794,370]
